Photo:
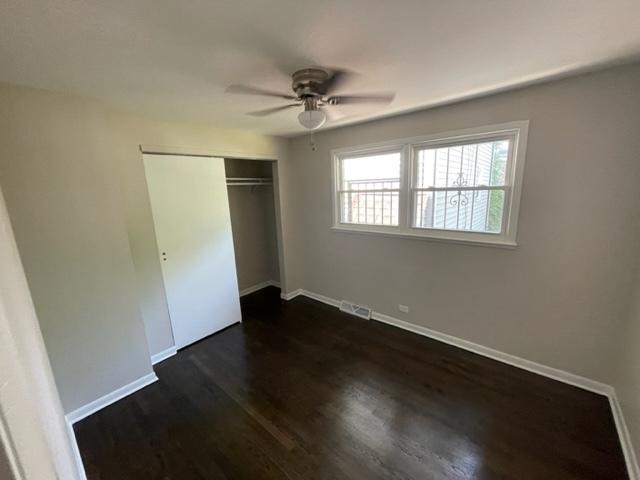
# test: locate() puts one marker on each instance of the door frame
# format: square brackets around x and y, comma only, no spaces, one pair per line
[35,438]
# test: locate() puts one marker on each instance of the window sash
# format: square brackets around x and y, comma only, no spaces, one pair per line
[436,144]
[452,143]
[373,190]
[461,189]
[461,141]
[340,191]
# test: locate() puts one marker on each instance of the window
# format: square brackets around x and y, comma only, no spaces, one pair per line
[370,189]
[460,186]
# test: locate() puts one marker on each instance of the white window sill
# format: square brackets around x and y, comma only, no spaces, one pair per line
[412,234]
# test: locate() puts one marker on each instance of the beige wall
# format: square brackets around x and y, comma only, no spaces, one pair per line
[74,183]
[558,298]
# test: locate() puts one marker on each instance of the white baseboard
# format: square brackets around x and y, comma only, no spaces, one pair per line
[321,298]
[291,295]
[534,367]
[109,398]
[163,355]
[82,475]
[259,286]
[625,438]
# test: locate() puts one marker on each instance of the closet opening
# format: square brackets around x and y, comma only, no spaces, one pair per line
[253,222]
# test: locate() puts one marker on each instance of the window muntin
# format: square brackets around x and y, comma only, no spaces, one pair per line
[461,186]
[370,189]
[479,185]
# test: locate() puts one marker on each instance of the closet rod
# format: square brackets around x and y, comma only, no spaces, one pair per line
[249,184]
[252,181]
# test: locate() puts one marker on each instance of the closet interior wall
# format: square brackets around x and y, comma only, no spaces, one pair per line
[253,222]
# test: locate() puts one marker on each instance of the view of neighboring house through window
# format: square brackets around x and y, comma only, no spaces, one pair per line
[461,186]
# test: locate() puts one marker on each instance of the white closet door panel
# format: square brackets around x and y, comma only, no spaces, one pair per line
[193,230]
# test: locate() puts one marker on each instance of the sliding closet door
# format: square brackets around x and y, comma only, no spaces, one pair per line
[193,230]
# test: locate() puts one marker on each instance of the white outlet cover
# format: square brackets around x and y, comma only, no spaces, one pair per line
[403,308]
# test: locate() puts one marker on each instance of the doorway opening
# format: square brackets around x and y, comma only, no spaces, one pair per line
[250,188]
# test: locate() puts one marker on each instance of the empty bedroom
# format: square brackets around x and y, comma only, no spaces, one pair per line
[320,240]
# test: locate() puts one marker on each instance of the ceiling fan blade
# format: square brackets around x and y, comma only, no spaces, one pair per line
[333,114]
[269,111]
[336,79]
[247,90]
[355,99]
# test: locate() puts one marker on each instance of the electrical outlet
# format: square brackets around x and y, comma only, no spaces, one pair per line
[403,308]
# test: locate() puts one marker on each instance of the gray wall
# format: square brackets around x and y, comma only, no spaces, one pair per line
[560,297]
[74,183]
[253,222]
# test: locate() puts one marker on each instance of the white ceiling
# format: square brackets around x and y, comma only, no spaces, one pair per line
[174,58]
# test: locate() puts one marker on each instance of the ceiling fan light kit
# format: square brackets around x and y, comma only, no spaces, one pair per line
[313,88]
[312,119]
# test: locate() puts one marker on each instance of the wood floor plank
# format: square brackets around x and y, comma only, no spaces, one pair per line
[300,390]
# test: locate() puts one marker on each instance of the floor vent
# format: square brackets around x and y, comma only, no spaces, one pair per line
[357,310]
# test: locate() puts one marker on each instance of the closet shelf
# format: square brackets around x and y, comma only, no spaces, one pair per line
[244,181]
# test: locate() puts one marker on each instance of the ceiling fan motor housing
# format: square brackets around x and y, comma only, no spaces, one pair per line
[308,82]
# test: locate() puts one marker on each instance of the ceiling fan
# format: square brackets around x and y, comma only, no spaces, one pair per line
[313,88]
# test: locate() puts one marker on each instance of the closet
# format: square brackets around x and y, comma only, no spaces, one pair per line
[253,222]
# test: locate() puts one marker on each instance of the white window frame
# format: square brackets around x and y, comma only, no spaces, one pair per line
[516,132]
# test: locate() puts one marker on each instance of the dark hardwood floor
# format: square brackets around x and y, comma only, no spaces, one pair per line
[302,391]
